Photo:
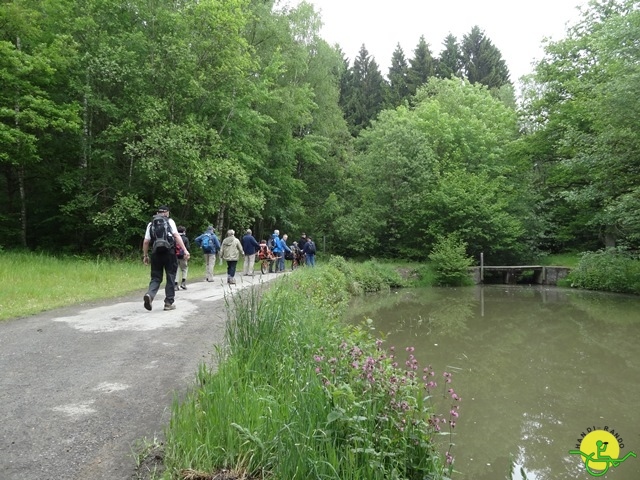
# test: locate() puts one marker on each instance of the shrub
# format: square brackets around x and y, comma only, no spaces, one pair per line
[450,261]
[610,270]
[367,277]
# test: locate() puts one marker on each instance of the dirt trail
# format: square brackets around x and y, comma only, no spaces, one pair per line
[81,386]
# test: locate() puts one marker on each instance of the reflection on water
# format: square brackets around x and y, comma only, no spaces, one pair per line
[535,367]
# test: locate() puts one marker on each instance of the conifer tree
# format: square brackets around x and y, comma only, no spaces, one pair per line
[422,66]
[450,60]
[398,78]
[365,92]
[482,62]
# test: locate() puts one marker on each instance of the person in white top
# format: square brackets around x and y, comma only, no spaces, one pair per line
[162,259]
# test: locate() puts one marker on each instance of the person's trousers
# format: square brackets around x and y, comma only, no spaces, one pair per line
[280,262]
[183,269]
[249,262]
[210,262]
[163,263]
[231,270]
[310,260]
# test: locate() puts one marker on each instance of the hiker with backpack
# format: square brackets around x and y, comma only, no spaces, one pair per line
[210,245]
[310,252]
[162,237]
[183,263]
[231,251]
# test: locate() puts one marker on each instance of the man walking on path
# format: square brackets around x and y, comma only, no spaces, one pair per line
[231,251]
[164,233]
[210,245]
[250,246]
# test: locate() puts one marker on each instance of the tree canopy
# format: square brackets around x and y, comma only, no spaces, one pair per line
[237,113]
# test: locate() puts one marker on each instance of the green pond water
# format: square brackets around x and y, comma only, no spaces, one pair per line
[536,368]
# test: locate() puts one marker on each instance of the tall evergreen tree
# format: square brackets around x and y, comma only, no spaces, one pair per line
[398,78]
[365,93]
[482,62]
[422,66]
[450,60]
[345,82]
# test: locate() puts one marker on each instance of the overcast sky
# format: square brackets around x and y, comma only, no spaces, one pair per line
[515,27]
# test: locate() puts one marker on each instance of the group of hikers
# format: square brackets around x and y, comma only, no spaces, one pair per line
[166,248]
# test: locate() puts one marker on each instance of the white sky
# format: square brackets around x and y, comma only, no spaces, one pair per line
[516,27]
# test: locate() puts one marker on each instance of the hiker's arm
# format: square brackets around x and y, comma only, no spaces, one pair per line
[145,251]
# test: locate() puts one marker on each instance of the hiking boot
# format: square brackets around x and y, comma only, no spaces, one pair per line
[183,286]
[147,301]
[169,306]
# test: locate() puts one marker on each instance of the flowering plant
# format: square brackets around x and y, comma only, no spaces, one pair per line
[382,411]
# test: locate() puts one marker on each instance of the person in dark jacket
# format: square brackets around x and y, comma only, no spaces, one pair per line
[310,252]
[302,241]
[250,246]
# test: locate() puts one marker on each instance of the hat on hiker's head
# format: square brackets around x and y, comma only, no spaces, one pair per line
[210,228]
[163,208]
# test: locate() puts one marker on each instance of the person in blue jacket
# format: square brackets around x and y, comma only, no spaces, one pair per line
[209,248]
[276,249]
[285,250]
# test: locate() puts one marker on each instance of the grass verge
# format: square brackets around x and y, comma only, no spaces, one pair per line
[35,282]
[298,395]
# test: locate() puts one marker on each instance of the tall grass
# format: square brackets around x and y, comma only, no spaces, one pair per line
[561,259]
[297,395]
[35,282]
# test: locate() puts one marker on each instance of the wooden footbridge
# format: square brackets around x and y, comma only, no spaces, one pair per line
[541,275]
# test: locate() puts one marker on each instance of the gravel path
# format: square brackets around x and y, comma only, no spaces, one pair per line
[81,387]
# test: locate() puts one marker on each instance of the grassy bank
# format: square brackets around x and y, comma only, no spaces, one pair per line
[296,395]
[33,283]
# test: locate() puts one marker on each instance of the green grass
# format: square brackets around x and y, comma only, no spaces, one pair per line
[33,283]
[570,260]
[36,282]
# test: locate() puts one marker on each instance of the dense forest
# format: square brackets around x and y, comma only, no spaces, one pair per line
[237,113]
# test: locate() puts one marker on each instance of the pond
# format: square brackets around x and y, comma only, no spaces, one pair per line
[537,369]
